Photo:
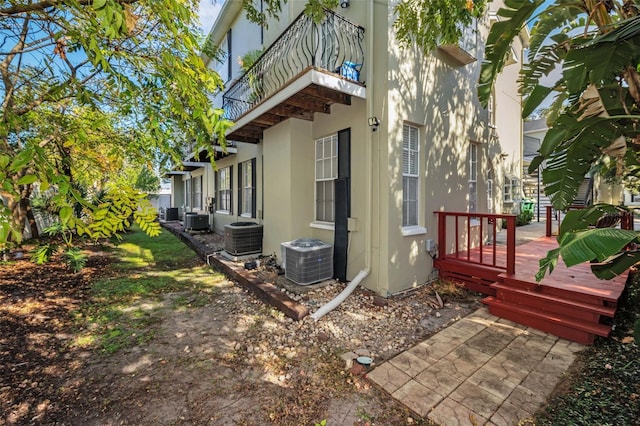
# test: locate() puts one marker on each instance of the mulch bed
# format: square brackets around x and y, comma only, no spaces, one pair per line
[37,363]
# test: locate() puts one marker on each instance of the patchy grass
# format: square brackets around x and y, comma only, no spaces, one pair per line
[125,302]
[605,389]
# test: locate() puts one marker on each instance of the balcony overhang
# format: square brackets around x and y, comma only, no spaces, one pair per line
[313,91]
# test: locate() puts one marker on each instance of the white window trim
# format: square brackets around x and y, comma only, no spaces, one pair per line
[408,231]
[513,183]
[473,167]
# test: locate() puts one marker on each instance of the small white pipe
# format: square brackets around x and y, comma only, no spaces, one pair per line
[332,304]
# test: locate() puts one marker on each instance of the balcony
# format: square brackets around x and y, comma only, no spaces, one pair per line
[307,69]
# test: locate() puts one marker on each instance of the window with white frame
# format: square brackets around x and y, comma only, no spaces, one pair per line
[511,188]
[490,192]
[326,174]
[473,178]
[196,185]
[469,38]
[491,109]
[410,175]
[187,195]
[247,186]
[224,189]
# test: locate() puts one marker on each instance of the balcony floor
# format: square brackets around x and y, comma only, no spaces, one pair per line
[314,90]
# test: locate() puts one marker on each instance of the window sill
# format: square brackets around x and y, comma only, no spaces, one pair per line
[413,230]
[323,225]
[247,215]
[225,212]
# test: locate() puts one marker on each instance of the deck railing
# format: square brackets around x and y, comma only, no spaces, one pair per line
[474,239]
[626,219]
[335,44]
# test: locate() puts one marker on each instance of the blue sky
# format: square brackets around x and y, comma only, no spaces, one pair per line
[209,10]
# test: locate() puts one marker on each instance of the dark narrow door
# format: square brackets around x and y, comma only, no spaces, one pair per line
[342,206]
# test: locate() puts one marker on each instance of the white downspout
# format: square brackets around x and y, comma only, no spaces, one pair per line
[332,304]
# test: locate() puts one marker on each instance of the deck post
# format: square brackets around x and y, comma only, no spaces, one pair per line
[511,245]
[627,221]
[549,220]
[442,235]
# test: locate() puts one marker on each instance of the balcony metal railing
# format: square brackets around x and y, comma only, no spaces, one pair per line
[334,44]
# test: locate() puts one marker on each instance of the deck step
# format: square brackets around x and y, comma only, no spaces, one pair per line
[529,284]
[557,324]
[536,297]
[475,277]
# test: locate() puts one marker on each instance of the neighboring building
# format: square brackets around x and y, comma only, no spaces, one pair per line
[593,189]
[343,136]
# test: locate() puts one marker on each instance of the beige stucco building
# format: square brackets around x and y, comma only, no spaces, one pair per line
[344,136]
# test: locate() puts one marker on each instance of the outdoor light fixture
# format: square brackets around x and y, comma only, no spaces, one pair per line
[344,4]
[374,123]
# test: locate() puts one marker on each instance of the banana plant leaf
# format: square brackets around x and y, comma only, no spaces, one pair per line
[501,35]
[590,245]
[579,220]
[616,265]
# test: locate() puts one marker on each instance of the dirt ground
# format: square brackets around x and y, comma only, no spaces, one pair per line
[227,360]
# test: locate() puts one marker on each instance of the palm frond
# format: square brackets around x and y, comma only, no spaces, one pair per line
[548,59]
[502,34]
[557,18]
[600,244]
[571,147]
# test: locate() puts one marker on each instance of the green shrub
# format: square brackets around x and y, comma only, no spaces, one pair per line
[524,218]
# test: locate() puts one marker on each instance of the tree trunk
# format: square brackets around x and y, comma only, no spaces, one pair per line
[33,226]
[20,209]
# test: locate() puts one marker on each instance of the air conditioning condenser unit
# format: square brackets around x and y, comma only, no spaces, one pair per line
[241,238]
[307,261]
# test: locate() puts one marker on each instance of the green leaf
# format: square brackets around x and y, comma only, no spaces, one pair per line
[616,265]
[65,214]
[548,263]
[536,97]
[99,4]
[594,244]
[499,41]
[27,179]
[21,160]
[4,161]
[578,220]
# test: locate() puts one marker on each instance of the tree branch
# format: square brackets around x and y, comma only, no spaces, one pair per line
[38,7]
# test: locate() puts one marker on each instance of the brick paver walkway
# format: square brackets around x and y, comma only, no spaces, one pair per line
[480,370]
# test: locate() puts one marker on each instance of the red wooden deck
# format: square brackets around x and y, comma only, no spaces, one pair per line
[578,278]
[570,302]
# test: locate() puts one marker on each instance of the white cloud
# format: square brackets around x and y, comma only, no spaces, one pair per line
[209,10]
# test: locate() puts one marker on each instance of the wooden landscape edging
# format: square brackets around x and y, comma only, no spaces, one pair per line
[267,292]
